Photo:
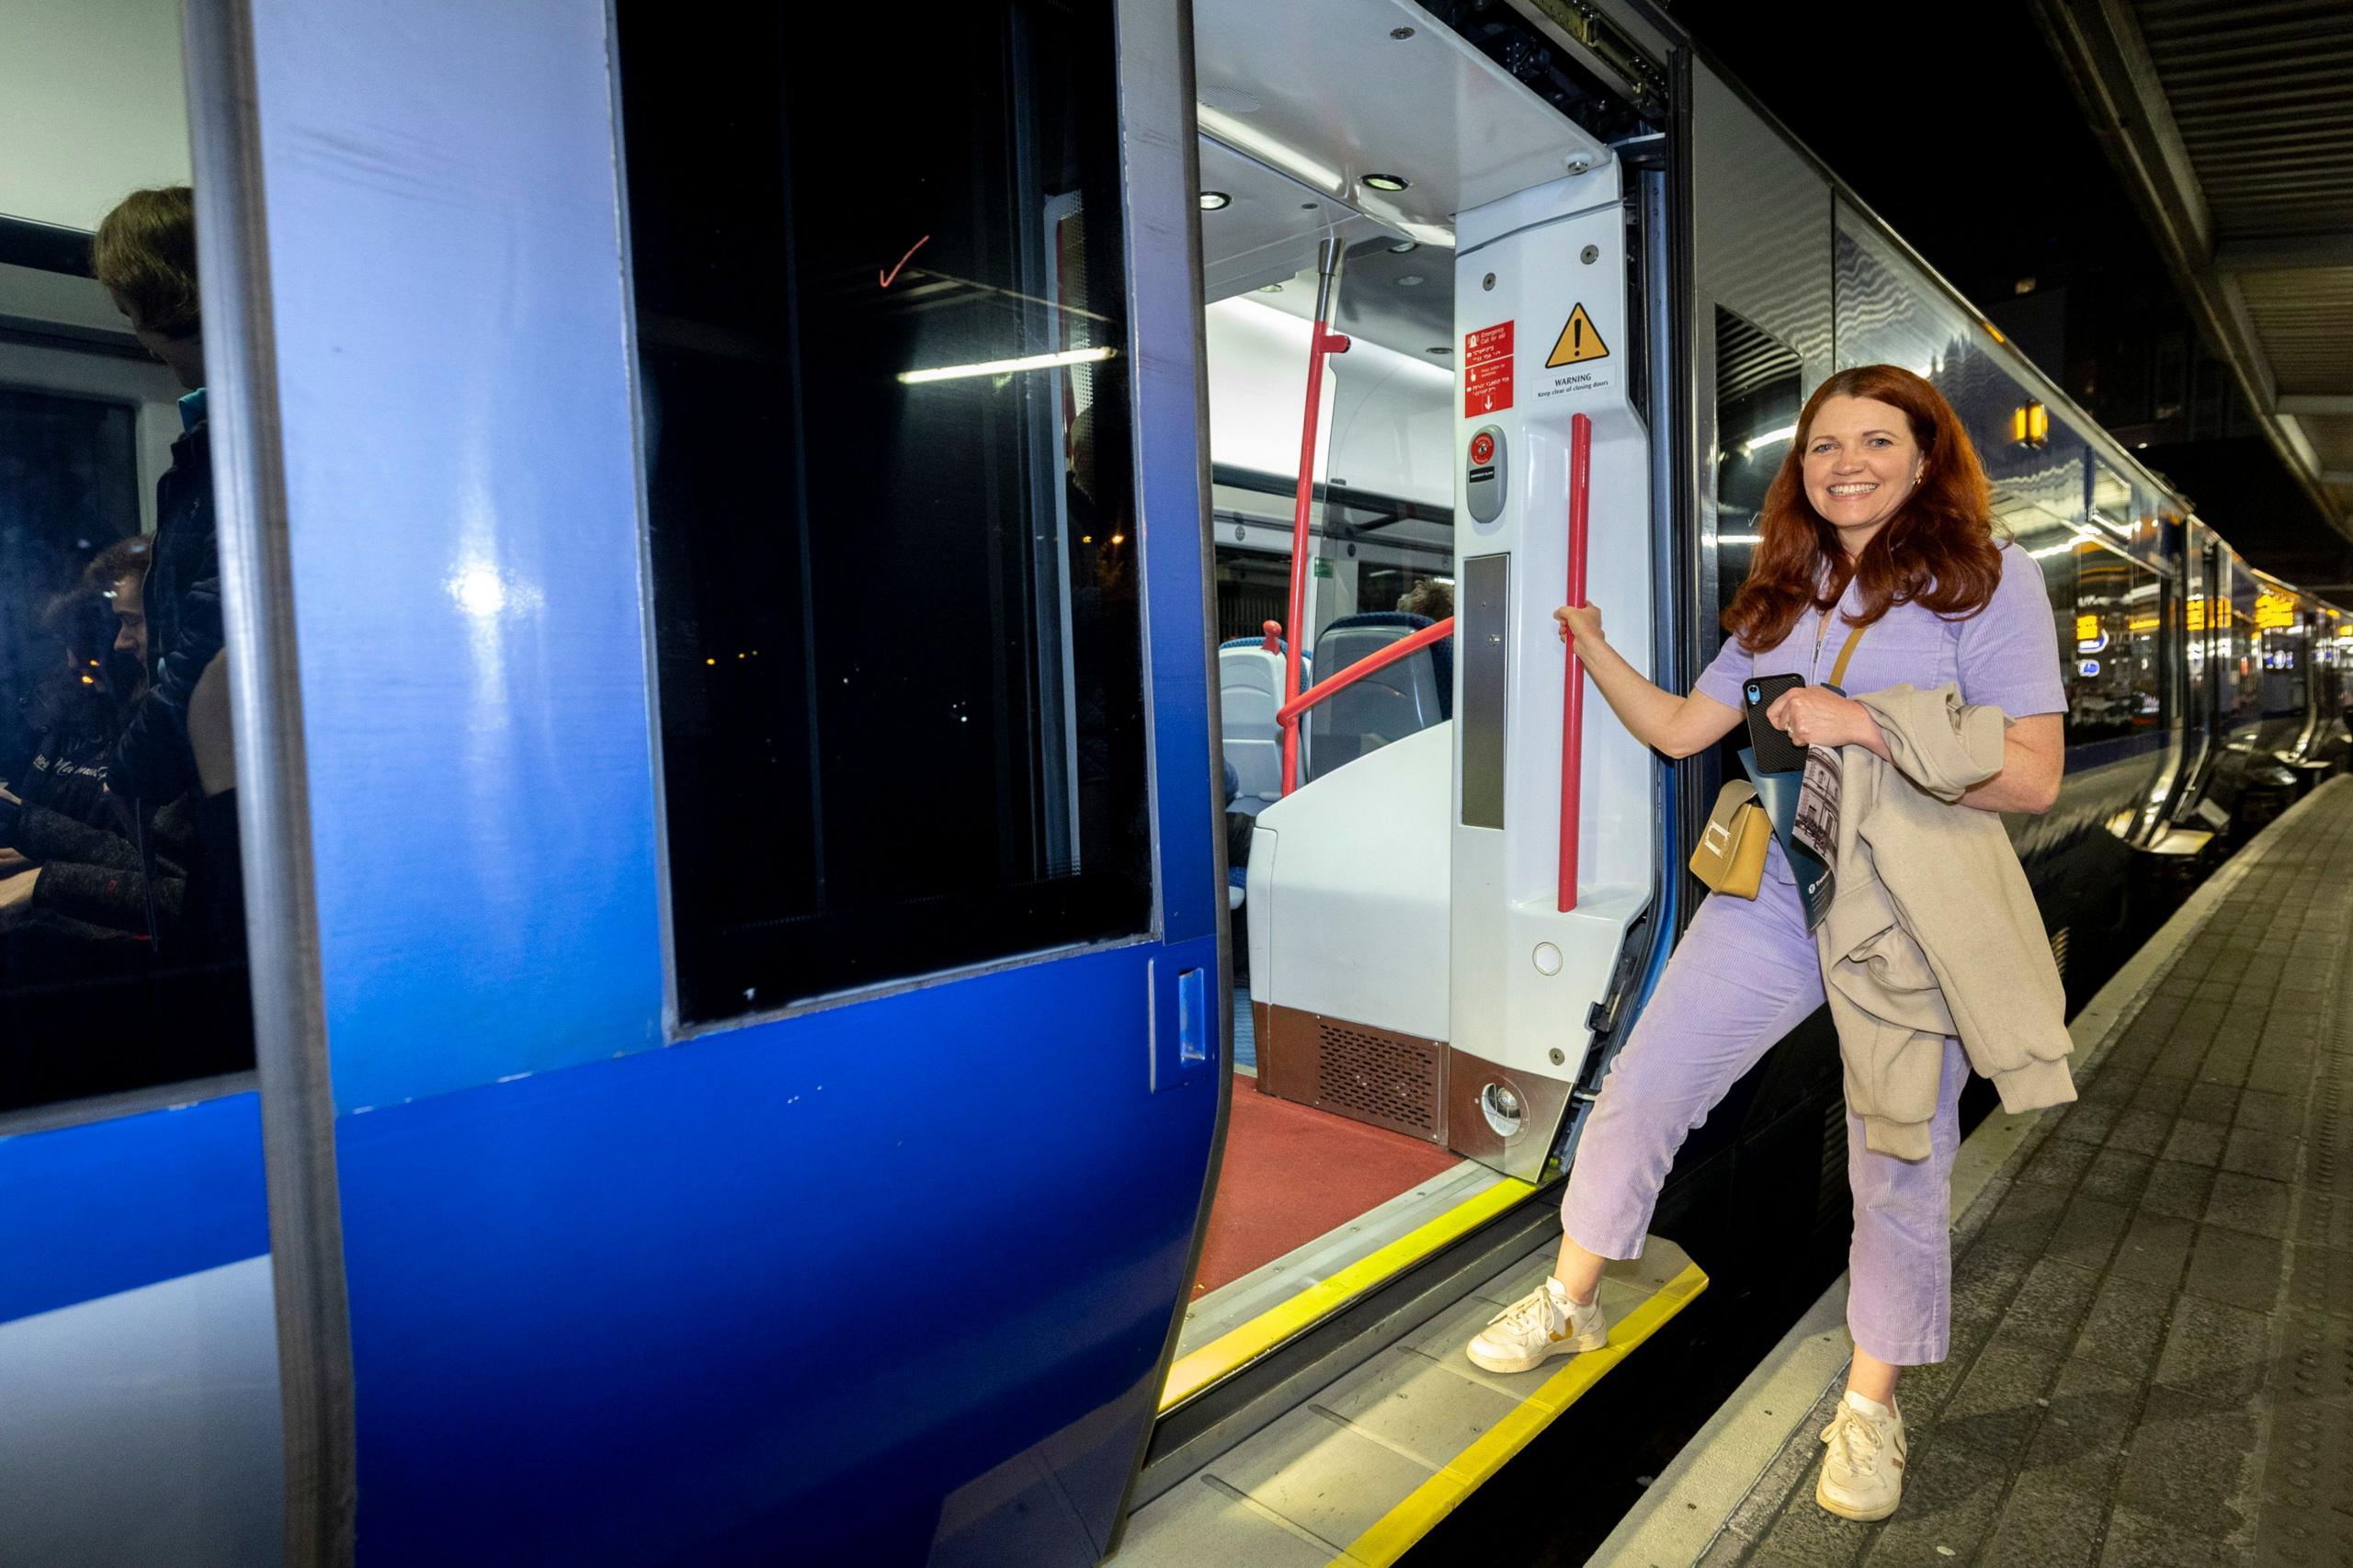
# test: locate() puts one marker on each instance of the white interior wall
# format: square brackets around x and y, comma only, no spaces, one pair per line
[92,105]
[1385,422]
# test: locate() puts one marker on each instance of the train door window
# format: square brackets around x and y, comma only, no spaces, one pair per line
[886,415]
[121,923]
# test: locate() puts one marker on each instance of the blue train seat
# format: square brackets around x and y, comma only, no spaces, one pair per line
[1411,695]
[1250,683]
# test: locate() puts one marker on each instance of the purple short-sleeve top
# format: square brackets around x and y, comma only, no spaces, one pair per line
[2005,656]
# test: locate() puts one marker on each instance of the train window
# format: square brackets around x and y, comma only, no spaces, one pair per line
[2242,679]
[885,415]
[2109,610]
[122,922]
[2283,654]
[1760,388]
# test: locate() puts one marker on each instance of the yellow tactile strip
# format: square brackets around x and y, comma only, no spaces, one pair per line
[1413,1518]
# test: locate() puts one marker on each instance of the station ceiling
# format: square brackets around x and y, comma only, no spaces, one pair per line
[2231,121]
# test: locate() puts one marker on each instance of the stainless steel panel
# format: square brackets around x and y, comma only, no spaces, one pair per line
[1501,1116]
[1761,224]
[1484,616]
[1369,1075]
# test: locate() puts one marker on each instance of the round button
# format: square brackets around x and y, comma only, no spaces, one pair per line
[1548,958]
[1483,447]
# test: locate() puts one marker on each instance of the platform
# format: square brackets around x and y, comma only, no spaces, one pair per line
[2153,1312]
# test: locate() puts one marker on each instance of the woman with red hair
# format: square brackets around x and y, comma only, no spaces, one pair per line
[1880,521]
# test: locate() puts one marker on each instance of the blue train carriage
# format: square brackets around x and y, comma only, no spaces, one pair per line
[725,771]
[678,1009]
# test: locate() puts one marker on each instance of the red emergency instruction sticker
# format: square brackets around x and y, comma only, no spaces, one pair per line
[1486,389]
[1487,343]
[1486,369]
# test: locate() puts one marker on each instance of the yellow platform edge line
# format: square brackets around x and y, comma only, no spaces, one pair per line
[1395,1532]
[1242,1346]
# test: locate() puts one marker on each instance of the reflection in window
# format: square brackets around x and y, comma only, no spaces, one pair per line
[2108,610]
[2282,652]
[122,922]
[885,408]
[1760,387]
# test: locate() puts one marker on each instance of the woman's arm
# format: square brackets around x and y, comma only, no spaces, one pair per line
[2034,749]
[1660,720]
[2034,755]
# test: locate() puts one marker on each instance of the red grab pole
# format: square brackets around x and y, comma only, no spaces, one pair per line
[1378,660]
[1319,344]
[1572,693]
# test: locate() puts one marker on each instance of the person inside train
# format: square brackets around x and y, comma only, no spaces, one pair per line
[77,867]
[1878,524]
[1429,599]
[144,254]
[70,711]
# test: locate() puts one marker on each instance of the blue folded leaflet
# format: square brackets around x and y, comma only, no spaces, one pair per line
[1778,793]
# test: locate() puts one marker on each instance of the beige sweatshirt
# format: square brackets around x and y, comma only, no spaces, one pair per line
[1933,930]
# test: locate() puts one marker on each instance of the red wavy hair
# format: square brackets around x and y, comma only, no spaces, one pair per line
[1938,552]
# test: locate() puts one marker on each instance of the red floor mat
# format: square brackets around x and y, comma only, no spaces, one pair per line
[1292,1174]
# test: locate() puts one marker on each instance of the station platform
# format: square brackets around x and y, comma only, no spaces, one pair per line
[2153,1304]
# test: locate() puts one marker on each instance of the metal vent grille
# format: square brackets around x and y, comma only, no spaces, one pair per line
[1382,1078]
[2059,950]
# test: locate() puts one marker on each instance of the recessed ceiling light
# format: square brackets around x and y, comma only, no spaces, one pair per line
[1411,280]
[1386,182]
[1213,200]
[1438,348]
[1272,289]
[1403,247]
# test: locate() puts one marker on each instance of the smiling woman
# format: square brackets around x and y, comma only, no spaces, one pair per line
[1882,460]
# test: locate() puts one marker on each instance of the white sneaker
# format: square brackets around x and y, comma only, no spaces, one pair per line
[1862,1475]
[1540,1325]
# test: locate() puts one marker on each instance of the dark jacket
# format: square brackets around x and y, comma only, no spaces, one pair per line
[151,759]
[68,774]
[93,875]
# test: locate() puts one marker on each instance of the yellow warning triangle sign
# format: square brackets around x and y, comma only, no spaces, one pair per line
[1578,342]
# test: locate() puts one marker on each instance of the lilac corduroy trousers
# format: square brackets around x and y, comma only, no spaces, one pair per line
[1744,976]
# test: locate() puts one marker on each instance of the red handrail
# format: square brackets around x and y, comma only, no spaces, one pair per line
[1320,344]
[1573,696]
[1288,715]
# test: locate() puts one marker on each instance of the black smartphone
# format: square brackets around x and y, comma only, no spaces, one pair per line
[1776,753]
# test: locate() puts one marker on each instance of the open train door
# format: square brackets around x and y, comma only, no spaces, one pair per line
[729,598]
[1441,929]
[1552,832]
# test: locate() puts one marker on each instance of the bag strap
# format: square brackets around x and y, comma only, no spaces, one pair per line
[1847,652]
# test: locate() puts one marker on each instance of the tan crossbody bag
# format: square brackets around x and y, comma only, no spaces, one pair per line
[1730,857]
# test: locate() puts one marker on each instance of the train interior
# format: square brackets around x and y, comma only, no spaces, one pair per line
[1334,1165]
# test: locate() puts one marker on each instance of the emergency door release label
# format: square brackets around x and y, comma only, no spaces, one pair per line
[1486,370]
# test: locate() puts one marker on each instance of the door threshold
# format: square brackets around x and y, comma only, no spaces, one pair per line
[1218,1350]
[1359,1471]
[1270,1285]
